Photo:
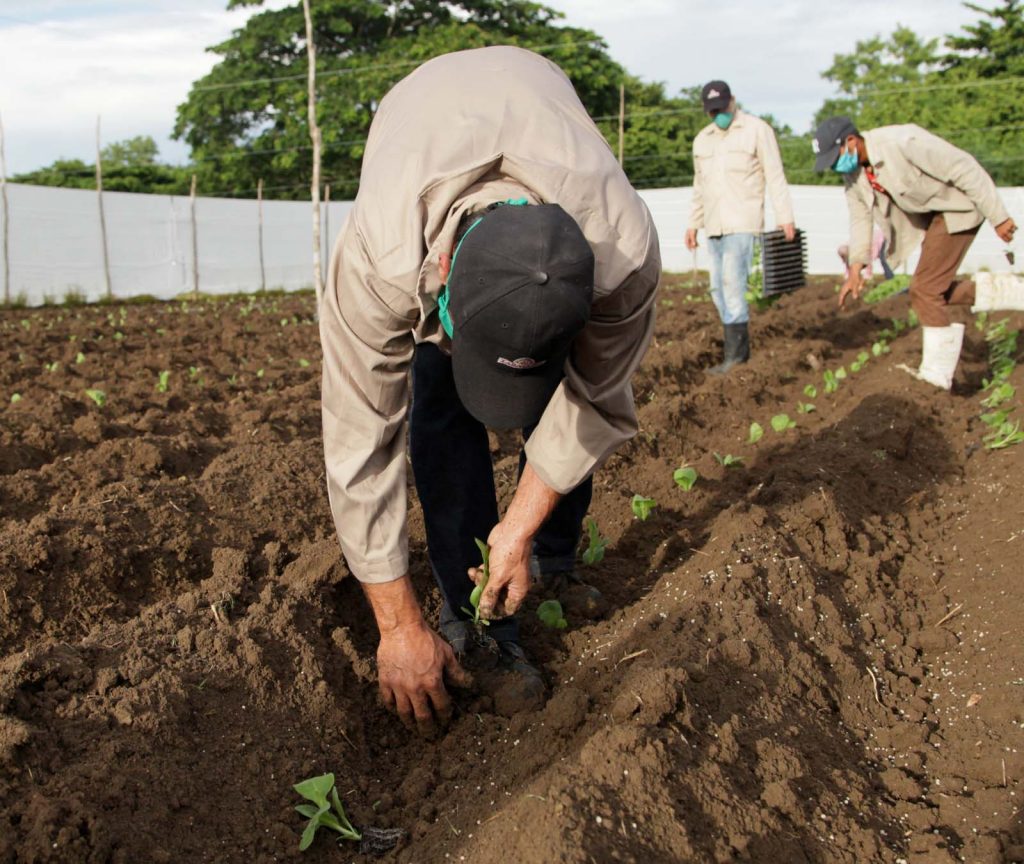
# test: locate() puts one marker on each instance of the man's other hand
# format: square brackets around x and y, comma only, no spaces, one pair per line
[691,238]
[412,663]
[1006,230]
[853,285]
[509,577]
[789,232]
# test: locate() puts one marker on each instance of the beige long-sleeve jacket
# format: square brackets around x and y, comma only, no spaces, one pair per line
[460,132]
[731,169]
[923,174]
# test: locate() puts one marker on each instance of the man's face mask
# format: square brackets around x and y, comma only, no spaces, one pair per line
[846,162]
[723,119]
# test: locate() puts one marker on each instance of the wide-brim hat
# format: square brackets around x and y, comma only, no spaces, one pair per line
[519,292]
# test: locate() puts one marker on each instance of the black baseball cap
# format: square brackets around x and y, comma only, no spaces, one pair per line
[716,97]
[519,292]
[829,139]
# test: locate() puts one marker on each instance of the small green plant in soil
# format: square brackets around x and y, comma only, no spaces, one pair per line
[594,553]
[477,592]
[163,381]
[550,613]
[805,407]
[303,363]
[782,422]
[1005,435]
[1003,393]
[52,367]
[811,392]
[728,460]
[317,790]
[756,431]
[879,348]
[886,289]
[685,477]
[15,398]
[79,358]
[831,382]
[642,507]
[97,396]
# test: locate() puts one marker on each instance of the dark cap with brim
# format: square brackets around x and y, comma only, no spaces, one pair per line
[716,96]
[520,291]
[829,139]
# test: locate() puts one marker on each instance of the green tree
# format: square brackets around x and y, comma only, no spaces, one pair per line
[130,153]
[973,95]
[246,119]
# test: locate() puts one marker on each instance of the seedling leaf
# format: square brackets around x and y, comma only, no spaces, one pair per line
[685,477]
[810,391]
[97,396]
[594,553]
[781,422]
[550,613]
[756,431]
[728,460]
[307,810]
[805,407]
[642,507]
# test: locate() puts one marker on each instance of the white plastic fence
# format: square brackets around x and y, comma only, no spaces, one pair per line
[55,245]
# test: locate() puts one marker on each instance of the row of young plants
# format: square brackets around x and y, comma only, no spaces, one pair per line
[1003,429]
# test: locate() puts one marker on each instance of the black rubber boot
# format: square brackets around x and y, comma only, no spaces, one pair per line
[737,348]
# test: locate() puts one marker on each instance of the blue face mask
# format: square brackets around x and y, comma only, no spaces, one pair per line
[846,163]
[723,120]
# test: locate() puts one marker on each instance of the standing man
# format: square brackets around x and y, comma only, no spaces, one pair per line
[734,158]
[497,252]
[923,191]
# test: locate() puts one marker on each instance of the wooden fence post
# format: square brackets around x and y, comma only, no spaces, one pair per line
[314,134]
[195,241]
[103,218]
[259,202]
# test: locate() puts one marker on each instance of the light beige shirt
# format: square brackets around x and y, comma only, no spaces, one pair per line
[922,174]
[731,169]
[460,132]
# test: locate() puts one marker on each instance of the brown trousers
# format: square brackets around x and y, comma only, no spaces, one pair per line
[935,286]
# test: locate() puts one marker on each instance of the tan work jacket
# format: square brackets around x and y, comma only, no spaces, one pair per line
[731,168]
[922,174]
[460,132]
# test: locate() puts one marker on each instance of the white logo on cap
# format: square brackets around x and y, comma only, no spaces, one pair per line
[713,94]
[815,146]
[521,363]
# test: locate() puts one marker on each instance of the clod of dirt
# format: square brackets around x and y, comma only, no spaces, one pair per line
[567,709]
[583,601]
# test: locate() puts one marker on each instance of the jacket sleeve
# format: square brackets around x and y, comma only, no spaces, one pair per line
[861,223]
[939,159]
[774,174]
[366,334]
[697,200]
[592,412]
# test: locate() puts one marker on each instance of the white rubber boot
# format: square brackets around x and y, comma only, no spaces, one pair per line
[940,353]
[998,292]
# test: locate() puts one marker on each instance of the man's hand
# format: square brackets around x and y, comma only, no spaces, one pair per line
[691,238]
[789,231]
[854,284]
[509,569]
[1006,230]
[412,661]
[510,541]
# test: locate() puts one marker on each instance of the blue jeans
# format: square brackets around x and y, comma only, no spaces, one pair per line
[731,255]
[451,463]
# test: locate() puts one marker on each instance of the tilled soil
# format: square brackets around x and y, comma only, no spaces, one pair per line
[814,655]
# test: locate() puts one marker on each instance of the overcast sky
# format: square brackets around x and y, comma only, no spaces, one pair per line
[62,62]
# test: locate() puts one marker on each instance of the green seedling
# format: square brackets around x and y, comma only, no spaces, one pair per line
[51,367]
[879,348]
[79,358]
[97,396]
[477,593]
[550,612]
[303,362]
[164,381]
[1004,436]
[594,553]
[863,357]
[996,418]
[316,789]
[728,460]
[15,398]
[193,371]
[831,384]
[811,392]
[642,506]
[781,422]
[685,477]
[856,366]
[118,336]
[259,373]
[756,431]
[1003,393]
[840,373]
[805,407]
